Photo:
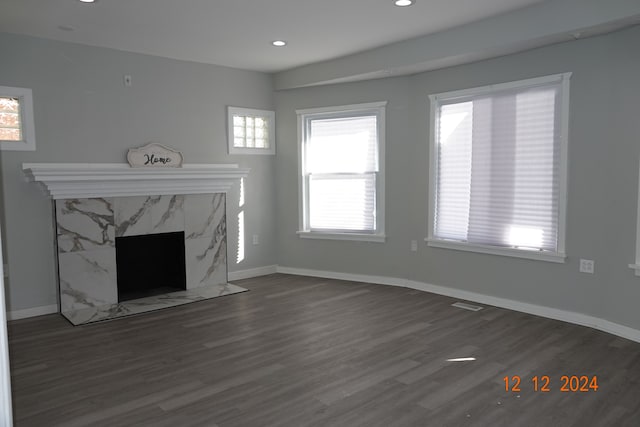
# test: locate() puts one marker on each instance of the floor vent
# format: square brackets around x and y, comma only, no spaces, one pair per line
[467,306]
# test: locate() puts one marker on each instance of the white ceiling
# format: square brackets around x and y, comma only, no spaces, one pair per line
[237,33]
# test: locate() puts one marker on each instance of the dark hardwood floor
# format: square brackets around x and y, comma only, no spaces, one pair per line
[299,351]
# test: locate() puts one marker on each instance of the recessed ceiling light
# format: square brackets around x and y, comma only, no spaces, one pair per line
[279,43]
[87,1]
[403,2]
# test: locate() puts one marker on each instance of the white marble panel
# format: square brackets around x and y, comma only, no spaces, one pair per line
[206,261]
[87,279]
[204,214]
[133,215]
[87,229]
[167,214]
[84,224]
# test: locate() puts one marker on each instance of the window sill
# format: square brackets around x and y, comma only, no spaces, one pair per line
[493,250]
[18,145]
[635,267]
[379,238]
[249,151]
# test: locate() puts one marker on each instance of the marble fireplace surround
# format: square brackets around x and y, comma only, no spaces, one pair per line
[95,203]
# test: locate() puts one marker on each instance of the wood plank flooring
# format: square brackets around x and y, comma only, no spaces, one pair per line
[300,351]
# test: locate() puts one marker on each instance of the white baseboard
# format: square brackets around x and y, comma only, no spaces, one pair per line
[378,280]
[32,312]
[253,272]
[538,310]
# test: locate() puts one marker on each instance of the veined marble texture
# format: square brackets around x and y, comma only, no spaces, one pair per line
[206,239]
[143,305]
[203,214]
[84,224]
[88,228]
[167,215]
[149,215]
[206,261]
[87,279]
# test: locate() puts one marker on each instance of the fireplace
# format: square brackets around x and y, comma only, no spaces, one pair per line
[110,249]
[151,264]
[100,205]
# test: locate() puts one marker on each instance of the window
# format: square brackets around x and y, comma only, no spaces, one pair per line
[498,168]
[251,131]
[342,172]
[17,131]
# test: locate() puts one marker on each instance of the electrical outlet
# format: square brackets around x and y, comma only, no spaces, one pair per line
[587,266]
[414,245]
[256,239]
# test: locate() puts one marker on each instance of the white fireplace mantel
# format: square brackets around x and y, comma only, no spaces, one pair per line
[91,180]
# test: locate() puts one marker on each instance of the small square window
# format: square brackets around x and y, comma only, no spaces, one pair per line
[251,131]
[16,119]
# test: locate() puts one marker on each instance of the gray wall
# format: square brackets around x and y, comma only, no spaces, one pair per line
[603,168]
[83,113]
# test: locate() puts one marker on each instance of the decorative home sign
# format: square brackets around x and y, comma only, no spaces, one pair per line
[154,155]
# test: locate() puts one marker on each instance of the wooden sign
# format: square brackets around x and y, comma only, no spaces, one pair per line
[154,155]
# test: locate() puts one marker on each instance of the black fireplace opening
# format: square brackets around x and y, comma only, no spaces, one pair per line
[150,264]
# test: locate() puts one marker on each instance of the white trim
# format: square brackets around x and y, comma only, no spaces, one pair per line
[342,108]
[28,142]
[252,272]
[496,250]
[302,191]
[382,170]
[482,90]
[6,416]
[32,312]
[435,99]
[377,108]
[433,167]
[564,162]
[268,115]
[88,180]
[379,238]
[538,310]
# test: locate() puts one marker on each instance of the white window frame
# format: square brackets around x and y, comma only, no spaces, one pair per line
[636,266]
[28,142]
[378,108]
[268,115]
[435,99]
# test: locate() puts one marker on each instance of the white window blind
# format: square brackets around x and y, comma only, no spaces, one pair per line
[499,166]
[341,171]
[342,162]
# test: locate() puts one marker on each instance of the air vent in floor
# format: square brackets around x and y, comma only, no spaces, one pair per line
[466,306]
